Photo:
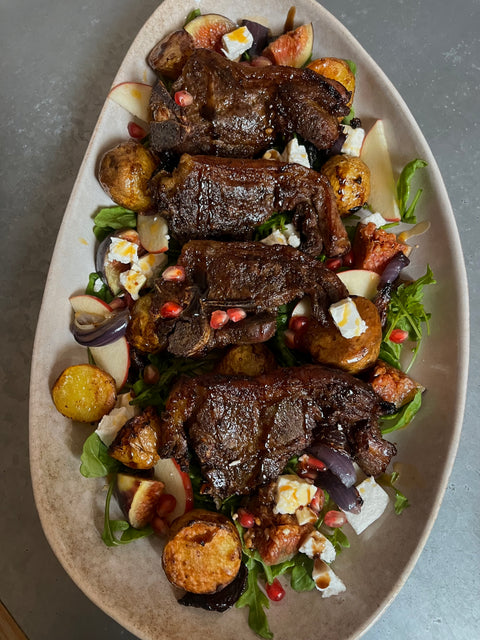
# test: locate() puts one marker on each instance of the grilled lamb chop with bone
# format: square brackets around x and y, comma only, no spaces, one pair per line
[210,197]
[238,110]
[227,275]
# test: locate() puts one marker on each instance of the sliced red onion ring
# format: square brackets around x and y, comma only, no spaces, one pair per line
[339,463]
[347,498]
[102,333]
[392,270]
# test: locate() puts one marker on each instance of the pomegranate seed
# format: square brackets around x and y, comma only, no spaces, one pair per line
[151,374]
[398,336]
[290,339]
[318,500]
[245,518]
[348,259]
[236,314]
[315,463]
[166,504]
[183,98]
[297,323]
[218,319]
[335,519]
[275,591]
[170,310]
[333,263]
[160,526]
[136,131]
[175,273]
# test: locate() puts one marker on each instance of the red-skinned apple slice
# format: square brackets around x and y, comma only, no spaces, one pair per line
[303,308]
[138,498]
[153,233]
[134,97]
[177,483]
[375,154]
[360,282]
[114,358]
[84,303]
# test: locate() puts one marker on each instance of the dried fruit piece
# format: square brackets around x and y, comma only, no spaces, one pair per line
[207,30]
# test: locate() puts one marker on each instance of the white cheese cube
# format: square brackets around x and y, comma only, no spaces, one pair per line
[292,493]
[346,317]
[316,545]
[375,501]
[236,42]
[295,153]
[110,425]
[354,140]
[132,281]
[326,580]
[293,238]
[276,237]
[122,251]
[377,219]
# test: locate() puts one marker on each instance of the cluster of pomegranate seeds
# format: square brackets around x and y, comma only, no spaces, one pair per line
[297,323]
[218,319]
[398,336]
[170,310]
[236,314]
[275,591]
[245,518]
[183,98]
[318,500]
[175,273]
[334,264]
[136,131]
[335,519]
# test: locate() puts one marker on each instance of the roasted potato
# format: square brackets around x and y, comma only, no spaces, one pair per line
[168,56]
[203,553]
[350,180]
[393,385]
[124,174]
[135,445]
[335,69]
[141,330]
[327,345]
[248,360]
[84,393]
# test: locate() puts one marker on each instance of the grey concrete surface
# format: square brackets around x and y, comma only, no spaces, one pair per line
[58,58]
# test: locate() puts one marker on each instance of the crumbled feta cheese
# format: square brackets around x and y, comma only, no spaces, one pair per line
[296,153]
[110,425]
[305,515]
[377,219]
[122,251]
[375,501]
[150,264]
[293,238]
[132,281]
[316,545]
[292,493]
[347,319]
[236,42]
[354,140]
[276,237]
[326,581]
[288,236]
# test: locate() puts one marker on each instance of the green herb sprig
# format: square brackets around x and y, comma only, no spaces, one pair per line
[407,212]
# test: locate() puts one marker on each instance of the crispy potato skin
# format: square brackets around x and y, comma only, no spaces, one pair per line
[248,360]
[350,180]
[335,69]
[170,54]
[142,329]
[135,445]
[84,393]
[203,552]
[124,174]
[327,345]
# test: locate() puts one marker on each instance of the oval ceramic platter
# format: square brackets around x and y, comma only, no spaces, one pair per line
[128,582]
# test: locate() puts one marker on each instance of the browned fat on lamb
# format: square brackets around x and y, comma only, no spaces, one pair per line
[238,110]
[225,275]
[244,430]
[209,197]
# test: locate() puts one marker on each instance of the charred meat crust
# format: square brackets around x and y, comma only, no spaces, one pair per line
[244,430]
[209,197]
[238,111]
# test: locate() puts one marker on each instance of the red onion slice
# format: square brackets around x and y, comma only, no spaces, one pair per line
[100,334]
[347,498]
[339,463]
[393,268]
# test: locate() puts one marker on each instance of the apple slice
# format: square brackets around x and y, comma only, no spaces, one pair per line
[90,304]
[375,154]
[360,282]
[134,97]
[153,233]
[114,358]
[177,483]
[138,498]
[303,308]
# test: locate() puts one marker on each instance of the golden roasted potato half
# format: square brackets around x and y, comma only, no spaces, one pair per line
[248,360]
[327,345]
[203,553]
[335,69]
[124,174]
[350,180]
[84,393]
[169,56]
[135,445]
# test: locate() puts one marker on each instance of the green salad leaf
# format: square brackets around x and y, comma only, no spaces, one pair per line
[111,527]
[388,480]
[192,15]
[96,287]
[407,212]
[111,219]
[96,463]
[403,417]
[276,221]
[254,598]
[301,575]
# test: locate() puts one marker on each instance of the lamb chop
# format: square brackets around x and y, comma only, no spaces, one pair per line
[238,110]
[244,430]
[220,276]
[210,197]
